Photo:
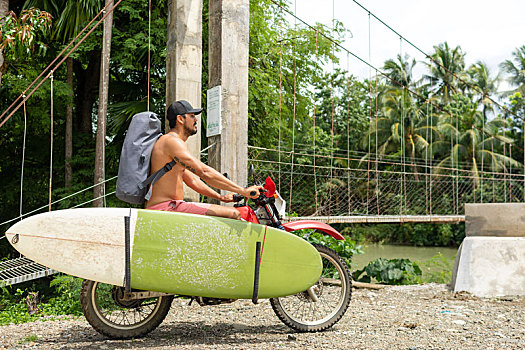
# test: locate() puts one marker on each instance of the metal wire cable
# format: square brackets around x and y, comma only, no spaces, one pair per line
[57,201]
[51,143]
[23,94]
[55,67]
[23,160]
[383,162]
[94,199]
[439,64]
[149,47]
[423,98]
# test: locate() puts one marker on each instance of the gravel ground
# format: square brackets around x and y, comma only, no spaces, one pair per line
[397,317]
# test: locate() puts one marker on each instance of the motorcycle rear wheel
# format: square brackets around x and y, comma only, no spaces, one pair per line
[333,292]
[115,318]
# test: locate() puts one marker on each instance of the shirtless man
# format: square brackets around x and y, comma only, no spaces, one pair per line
[168,192]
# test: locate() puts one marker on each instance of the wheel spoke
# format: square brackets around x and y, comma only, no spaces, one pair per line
[122,315]
[333,291]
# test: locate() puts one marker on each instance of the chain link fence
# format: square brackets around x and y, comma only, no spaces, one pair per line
[320,185]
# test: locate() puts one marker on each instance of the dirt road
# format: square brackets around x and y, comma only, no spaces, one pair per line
[407,317]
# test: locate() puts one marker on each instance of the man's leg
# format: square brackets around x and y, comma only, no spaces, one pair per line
[225,212]
[199,208]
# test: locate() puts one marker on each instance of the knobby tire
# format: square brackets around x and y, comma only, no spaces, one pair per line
[285,313]
[97,316]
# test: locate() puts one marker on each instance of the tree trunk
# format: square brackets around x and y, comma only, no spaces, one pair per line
[69,123]
[4,8]
[99,190]
[87,90]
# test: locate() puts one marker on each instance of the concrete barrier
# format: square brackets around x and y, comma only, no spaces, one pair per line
[495,219]
[491,266]
[491,260]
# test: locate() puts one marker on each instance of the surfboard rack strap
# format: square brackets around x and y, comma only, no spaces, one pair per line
[127,273]
[255,295]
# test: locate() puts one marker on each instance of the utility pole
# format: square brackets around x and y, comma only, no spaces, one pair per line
[229,31]
[184,65]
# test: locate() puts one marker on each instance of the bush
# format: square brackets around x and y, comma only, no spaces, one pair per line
[63,299]
[444,235]
[438,269]
[393,271]
[345,249]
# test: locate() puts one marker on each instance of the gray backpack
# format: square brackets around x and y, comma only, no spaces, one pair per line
[133,180]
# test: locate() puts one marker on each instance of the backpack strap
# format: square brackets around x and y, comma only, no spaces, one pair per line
[155,177]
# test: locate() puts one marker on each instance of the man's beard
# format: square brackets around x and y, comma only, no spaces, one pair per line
[190,131]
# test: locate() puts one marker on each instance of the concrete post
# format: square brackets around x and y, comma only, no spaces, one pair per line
[491,259]
[184,65]
[229,33]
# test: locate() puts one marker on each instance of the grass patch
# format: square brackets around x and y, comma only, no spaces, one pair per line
[29,339]
[437,269]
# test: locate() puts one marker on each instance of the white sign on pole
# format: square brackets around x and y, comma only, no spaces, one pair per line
[214,100]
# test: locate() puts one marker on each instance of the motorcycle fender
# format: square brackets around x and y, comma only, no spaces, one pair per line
[311,224]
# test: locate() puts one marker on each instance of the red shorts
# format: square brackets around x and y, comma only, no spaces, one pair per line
[181,206]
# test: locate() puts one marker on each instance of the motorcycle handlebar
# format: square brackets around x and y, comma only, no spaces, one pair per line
[237,197]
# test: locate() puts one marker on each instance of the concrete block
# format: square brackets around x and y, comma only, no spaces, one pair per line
[490,266]
[495,219]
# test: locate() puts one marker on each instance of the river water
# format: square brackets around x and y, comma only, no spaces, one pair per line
[415,254]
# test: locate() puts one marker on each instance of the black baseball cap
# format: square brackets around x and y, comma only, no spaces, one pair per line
[181,107]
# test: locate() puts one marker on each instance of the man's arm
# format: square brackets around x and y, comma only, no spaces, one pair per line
[181,154]
[197,185]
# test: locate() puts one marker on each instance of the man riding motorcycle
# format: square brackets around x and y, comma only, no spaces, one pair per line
[168,192]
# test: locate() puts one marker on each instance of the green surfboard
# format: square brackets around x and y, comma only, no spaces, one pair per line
[207,256]
[177,253]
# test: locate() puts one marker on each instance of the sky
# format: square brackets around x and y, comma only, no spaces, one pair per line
[487,31]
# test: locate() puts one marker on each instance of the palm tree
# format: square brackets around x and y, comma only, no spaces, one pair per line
[484,84]
[516,70]
[403,129]
[470,148]
[400,71]
[446,70]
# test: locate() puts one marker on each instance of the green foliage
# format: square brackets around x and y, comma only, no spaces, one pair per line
[63,299]
[67,301]
[438,269]
[345,248]
[393,271]
[292,90]
[21,37]
[443,235]
[285,60]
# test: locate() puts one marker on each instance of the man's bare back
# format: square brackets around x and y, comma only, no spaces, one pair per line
[170,186]
[189,170]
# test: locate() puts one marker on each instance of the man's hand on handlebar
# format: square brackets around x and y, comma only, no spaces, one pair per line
[228,198]
[252,192]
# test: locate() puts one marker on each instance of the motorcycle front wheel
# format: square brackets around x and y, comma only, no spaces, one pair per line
[113,317]
[323,304]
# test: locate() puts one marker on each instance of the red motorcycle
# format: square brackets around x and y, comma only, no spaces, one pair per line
[322,305]
[119,314]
